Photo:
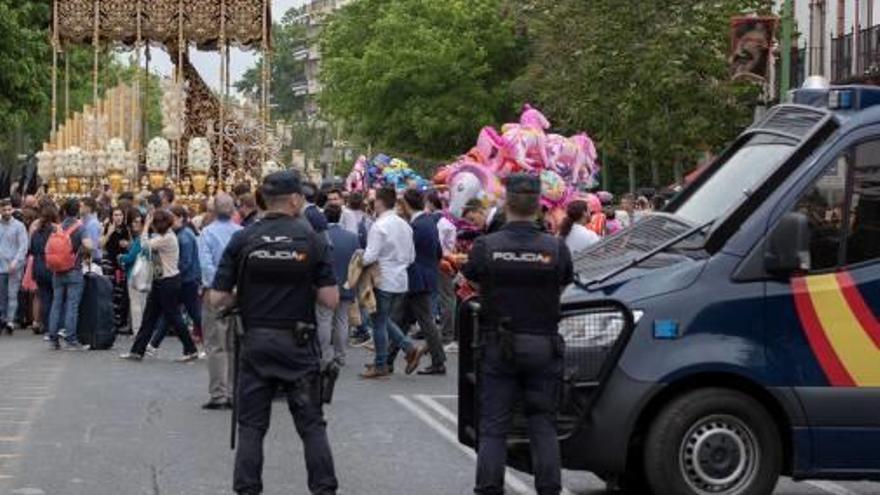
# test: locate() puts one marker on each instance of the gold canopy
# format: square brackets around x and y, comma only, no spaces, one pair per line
[158,21]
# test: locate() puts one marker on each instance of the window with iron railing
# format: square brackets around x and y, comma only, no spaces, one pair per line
[841,58]
[868,54]
[869,49]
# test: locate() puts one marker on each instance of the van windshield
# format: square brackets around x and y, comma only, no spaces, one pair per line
[736,179]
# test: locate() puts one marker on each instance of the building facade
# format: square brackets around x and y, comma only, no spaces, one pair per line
[837,39]
[313,18]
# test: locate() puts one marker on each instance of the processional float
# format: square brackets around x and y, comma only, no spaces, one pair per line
[206,143]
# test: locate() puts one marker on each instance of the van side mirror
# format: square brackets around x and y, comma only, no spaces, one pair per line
[788,246]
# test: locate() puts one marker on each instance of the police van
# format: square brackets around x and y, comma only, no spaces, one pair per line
[734,337]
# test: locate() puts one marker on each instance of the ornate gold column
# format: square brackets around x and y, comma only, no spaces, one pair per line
[265,81]
[54,67]
[221,45]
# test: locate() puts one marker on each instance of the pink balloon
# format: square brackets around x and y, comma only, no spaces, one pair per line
[533,118]
[594,203]
[355,180]
[526,145]
[490,146]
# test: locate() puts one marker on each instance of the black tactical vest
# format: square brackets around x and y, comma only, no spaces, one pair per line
[277,275]
[522,284]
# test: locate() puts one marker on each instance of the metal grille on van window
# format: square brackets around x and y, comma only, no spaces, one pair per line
[589,340]
[793,120]
[618,250]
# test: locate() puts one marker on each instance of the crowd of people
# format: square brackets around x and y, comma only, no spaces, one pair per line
[160,257]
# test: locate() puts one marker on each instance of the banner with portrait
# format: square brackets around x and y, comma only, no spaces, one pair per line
[752,42]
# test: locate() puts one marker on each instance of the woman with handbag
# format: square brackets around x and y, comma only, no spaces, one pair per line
[137,296]
[41,229]
[115,242]
[164,297]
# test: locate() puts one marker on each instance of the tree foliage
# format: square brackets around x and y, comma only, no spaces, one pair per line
[25,76]
[420,76]
[648,79]
[288,36]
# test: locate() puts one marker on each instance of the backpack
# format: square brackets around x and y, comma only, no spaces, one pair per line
[60,256]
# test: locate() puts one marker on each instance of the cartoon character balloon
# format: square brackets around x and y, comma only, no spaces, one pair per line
[469,180]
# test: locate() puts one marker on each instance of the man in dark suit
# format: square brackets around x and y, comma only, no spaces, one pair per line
[311,211]
[423,275]
[344,245]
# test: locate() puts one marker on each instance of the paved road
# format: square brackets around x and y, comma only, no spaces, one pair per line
[88,423]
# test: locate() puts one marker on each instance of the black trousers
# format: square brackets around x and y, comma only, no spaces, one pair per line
[536,375]
[163,300]
[416,307]
[270,359]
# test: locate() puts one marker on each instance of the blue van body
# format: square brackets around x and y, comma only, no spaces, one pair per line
[701,307]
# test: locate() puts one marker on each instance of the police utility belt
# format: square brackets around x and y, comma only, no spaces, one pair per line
[506,337]
[304,334]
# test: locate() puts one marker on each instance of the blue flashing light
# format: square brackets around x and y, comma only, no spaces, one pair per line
[666,329]
[840,99]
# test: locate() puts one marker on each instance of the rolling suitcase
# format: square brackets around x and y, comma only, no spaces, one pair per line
[95,327]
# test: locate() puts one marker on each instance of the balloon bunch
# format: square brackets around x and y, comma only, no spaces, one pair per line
[383,170]
[564,164]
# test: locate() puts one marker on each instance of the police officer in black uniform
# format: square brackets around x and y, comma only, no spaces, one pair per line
[279,268]
[520,272]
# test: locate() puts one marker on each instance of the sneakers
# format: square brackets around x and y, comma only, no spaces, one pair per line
[360,340]
[54,344]
[451,348]
[129,356]
[188,357]
[152,351]
[75,346]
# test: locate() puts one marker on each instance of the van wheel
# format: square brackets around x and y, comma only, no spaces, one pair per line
[713,441]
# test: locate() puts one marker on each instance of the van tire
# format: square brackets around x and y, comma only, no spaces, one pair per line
[713,440]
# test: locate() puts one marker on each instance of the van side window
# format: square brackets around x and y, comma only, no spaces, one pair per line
[823,204]
[863,243]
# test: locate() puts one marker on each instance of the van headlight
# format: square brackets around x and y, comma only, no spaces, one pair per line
[596,329]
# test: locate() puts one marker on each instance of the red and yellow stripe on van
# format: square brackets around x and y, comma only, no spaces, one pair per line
[842,330]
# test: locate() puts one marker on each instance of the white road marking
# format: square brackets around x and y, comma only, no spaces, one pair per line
[11,439]
[429,401]
[444,413]
[829,487]
[511,481]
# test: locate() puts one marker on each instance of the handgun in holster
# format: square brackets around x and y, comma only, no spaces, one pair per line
[329,375]
[304,334]
[508,340]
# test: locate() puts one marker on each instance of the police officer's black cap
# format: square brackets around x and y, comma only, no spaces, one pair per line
[523,184]
[281,183]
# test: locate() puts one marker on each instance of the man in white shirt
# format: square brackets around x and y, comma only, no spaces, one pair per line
[390,245]
[445,285]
